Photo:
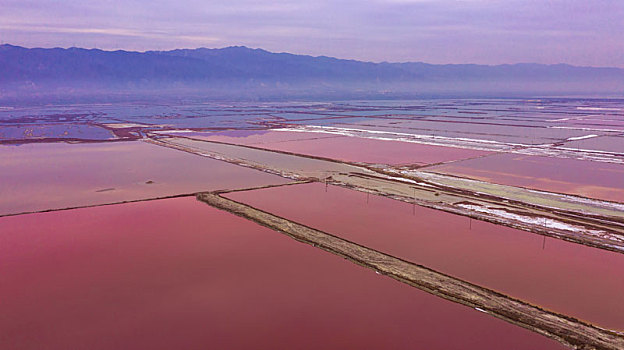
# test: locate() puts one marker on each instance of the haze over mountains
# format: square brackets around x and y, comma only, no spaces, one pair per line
[241,72]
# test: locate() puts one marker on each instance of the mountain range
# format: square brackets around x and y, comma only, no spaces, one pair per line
[243,72]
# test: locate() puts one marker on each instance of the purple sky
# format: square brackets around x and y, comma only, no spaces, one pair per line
[580,32]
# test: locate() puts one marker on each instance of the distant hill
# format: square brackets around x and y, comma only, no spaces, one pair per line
[250,73]
[263,65]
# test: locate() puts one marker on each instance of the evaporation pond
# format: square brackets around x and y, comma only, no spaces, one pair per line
[568,278]
[38,177]
[60,131]
[586,178]
[177,273]
[346,148]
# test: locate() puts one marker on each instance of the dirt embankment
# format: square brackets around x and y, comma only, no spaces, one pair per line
[569,331]
[592,230]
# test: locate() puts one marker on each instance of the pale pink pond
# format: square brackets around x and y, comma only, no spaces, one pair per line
[601,123]
[38,177]
[254,137]
[345,148]
[579,177]
[178,274]
[572,279]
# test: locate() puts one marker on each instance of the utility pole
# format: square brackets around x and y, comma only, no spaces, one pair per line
[414,204]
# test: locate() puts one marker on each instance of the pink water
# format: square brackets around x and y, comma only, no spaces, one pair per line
[255,137]
[179,274]
[345,148]
[53,176]
[573,279]
[579,177]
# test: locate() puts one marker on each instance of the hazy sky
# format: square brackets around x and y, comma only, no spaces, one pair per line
[581,32]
